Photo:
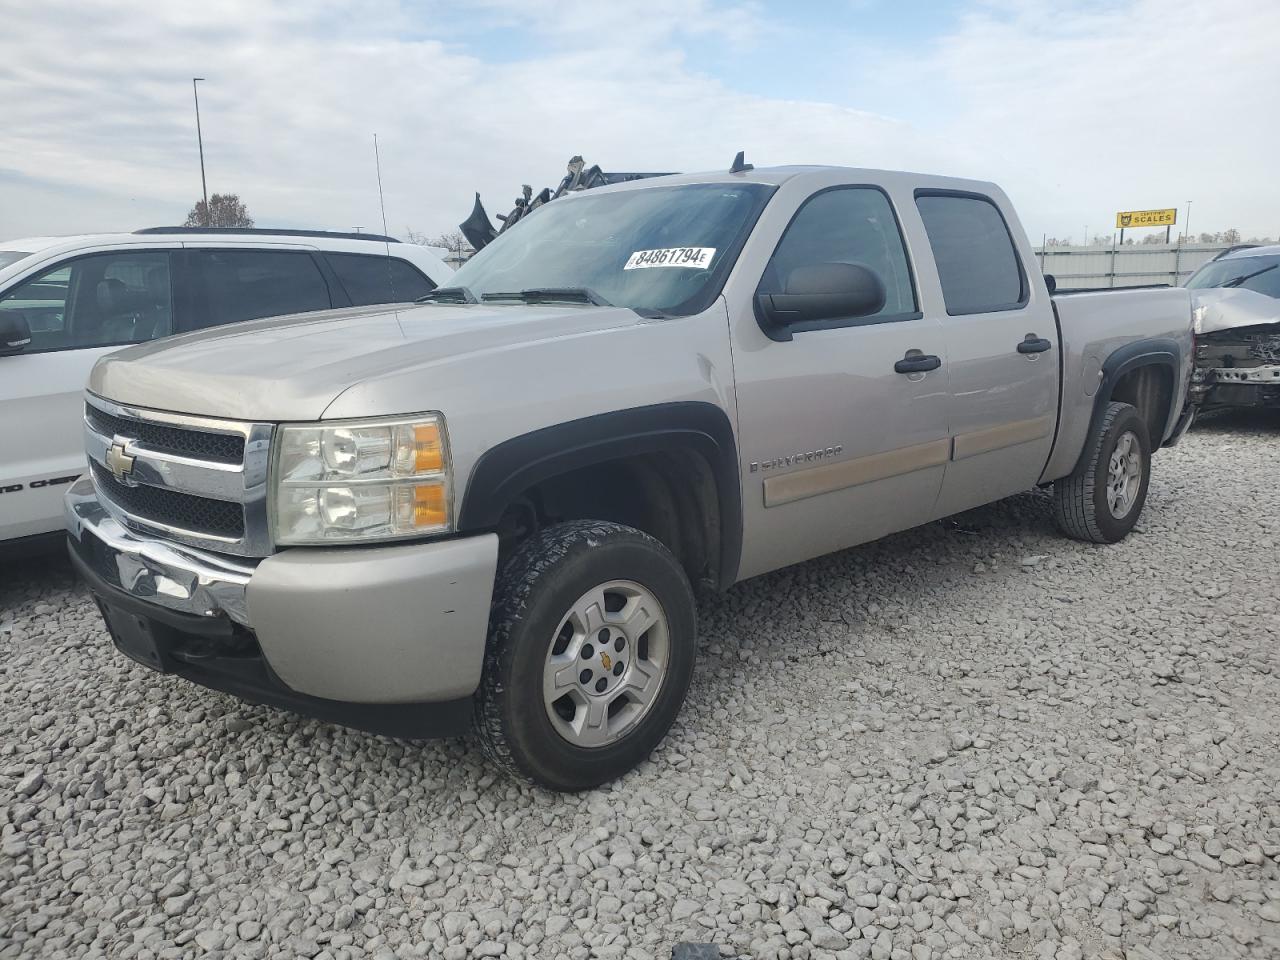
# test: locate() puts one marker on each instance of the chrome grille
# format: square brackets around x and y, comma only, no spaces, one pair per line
[216,518]
[218,447]
[192,480]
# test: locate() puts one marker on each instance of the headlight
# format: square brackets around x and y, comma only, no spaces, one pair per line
[355,481]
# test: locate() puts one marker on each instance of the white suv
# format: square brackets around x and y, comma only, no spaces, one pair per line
[66,301]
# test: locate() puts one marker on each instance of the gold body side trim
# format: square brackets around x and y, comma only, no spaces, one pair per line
[1005,435]
[836,476]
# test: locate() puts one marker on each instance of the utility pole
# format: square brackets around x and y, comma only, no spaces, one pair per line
[204,187]
[1186,227]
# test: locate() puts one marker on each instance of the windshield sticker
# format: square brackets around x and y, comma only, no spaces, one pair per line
[696,257]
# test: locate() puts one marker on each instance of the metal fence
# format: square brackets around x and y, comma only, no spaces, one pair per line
[1129,266]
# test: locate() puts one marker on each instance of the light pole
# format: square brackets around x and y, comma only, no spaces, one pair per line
[204,188]
[1186,227]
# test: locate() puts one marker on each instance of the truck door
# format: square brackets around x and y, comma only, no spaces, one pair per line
[842,427]
[1001,347]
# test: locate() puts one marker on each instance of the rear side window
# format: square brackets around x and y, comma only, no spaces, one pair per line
[247,284]
[977,263]
[373,279]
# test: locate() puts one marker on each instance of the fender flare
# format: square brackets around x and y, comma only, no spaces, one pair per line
[1160,352]
[506,470]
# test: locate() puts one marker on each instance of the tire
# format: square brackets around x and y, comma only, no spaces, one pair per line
[545,621]
[1083,502]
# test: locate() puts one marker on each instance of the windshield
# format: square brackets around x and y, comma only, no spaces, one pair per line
[11,256]
[1260,274]
[656,248]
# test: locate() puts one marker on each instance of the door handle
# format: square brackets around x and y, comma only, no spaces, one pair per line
[1034,344]
[917,362]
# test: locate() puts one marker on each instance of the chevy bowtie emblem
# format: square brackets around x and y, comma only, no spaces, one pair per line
[118,462]
[605,660]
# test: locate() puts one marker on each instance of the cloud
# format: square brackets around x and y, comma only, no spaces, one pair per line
[1082,110]
[1076,108]
[292,101]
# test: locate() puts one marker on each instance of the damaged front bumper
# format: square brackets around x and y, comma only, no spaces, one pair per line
[1237,361]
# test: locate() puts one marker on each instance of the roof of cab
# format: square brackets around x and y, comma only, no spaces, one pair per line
[776,176]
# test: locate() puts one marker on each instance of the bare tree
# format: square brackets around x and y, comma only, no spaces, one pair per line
[1231,236]
[1153,238]
[453,241]
[223,210]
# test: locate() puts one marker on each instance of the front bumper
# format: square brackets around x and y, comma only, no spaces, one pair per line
[388,638]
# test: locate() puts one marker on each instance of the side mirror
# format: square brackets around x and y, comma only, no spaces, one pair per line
[1051,282]
[821,291]
[15,332]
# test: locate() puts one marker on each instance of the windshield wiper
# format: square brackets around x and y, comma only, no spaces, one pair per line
[1236,281]
[551,295]
[449,295]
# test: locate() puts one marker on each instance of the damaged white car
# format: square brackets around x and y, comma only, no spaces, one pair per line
[1237,325]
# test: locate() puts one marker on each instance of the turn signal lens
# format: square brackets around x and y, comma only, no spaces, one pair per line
[428,452]
[428,506]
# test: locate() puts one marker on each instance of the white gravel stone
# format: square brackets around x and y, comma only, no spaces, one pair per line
[1072,753]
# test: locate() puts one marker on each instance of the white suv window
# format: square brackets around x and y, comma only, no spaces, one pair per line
[247,284]
[98,300]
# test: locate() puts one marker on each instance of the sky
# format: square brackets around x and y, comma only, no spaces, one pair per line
[1078,108]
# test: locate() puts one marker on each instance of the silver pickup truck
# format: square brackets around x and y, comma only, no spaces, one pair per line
[489,510]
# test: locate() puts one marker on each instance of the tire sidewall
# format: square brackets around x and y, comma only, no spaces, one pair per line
[1126,421]
[537,748]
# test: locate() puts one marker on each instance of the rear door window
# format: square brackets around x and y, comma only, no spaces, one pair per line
[368,278]
[977,263]
[98,300]
[248,284]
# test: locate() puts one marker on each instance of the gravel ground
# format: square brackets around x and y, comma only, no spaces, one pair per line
[974,739]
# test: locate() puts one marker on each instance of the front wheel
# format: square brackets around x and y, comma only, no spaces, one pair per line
[590,654]
[1102,500]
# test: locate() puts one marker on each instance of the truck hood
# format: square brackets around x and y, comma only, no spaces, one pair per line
[292,368]
[1226,308]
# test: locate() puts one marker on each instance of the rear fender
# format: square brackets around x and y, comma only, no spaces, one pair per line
[1159,352]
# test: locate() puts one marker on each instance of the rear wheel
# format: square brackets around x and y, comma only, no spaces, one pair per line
[1101,501]
[591,649]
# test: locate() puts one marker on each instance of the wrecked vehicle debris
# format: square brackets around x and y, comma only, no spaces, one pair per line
[479,230]
[1237,326]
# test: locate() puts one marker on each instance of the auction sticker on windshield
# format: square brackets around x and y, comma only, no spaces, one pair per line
[696,257]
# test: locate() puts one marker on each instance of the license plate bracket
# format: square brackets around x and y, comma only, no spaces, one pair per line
[135,638]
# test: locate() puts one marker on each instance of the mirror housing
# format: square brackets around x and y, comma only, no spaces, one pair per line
[1051,282]
[15,332]
[821,291]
